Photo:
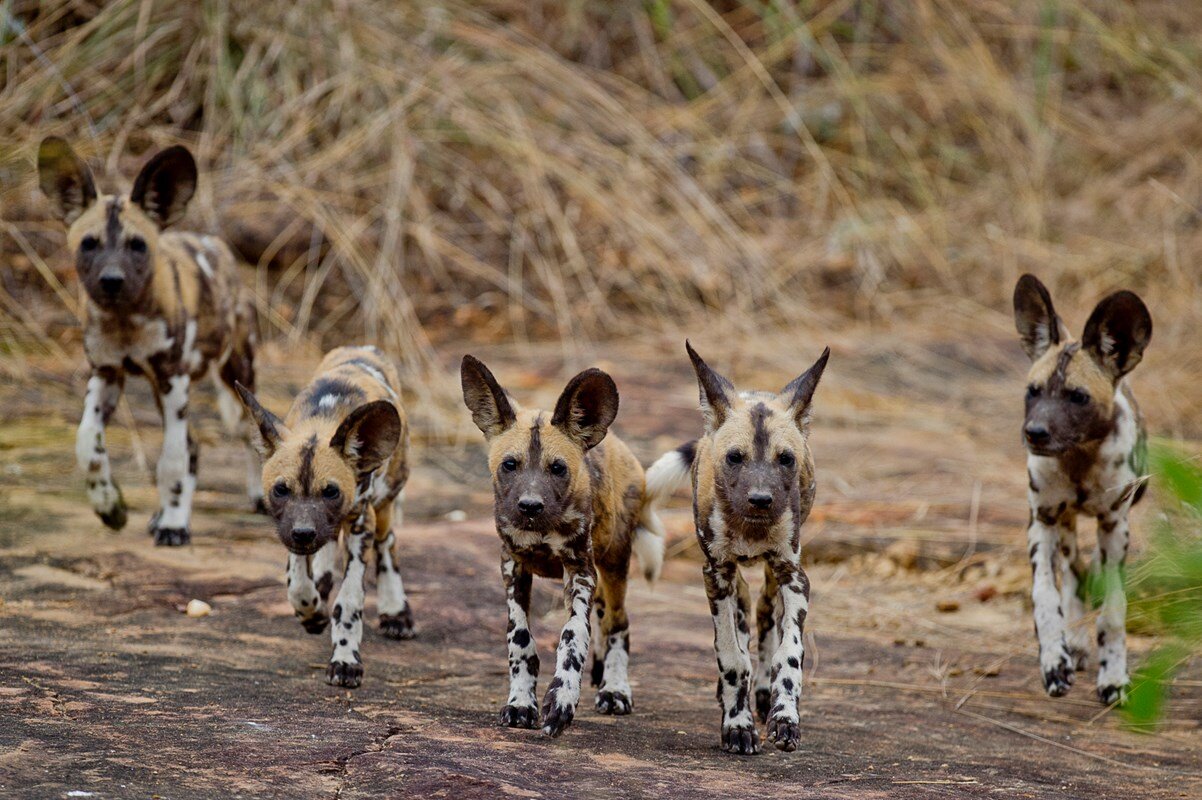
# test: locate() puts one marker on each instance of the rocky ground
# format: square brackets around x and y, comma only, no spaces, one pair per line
[921,684]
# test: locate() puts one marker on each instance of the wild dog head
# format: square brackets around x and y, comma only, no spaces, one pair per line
[536,460]
[1071,385]
[311,475]
[759,440]
[115,238]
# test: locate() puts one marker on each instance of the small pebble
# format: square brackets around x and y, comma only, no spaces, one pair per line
[947,606]
[198,608]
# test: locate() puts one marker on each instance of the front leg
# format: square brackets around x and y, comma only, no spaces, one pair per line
[1055,661]
[309,581]
[176,474]
[104,389]
[521,709]
[346,665]
[765,618]
[559,704]
[1113,537]
[1072,571]
[734,661]
[794,594]
[396,616]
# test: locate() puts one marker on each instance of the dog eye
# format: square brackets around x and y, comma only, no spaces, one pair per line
[734,457]
[331,492]
[1034,391]
[509,464]
[559,469]
[1078,397]
[89,243]
[786,459]
[281,490]
[136,244]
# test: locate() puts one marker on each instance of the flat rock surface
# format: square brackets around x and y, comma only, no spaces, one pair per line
[107,689]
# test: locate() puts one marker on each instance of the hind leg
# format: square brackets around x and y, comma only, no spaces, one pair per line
[396,617]
[599,648]
[765,619]
[240,367]
[614,695]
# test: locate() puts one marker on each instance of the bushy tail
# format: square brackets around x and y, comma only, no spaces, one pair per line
[667,473]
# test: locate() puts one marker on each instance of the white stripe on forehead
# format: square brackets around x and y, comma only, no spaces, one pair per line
[379,377]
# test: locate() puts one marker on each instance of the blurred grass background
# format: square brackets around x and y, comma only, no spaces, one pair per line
[417,173]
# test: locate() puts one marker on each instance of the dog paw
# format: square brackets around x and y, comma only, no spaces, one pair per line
[615,703]
[171,537]
[556,717]
[519,717]
[117,516]
[1059,679]
[785,734]
[316,623]
[398,626]
[763,703]
[741,740]
[1113,695]
[342,673]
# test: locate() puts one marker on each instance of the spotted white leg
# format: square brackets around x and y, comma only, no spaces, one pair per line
[599,645]
[396,617]
[614,695]
[1055,662]
[91,452]
[237,423]
[1072,588]
[176,474]
[767,640]
[309,581]
[559,703]
[346,664]
[521,709]
[734,661]
[1113,537]
[794,596]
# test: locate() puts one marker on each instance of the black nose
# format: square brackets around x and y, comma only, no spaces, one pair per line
[111,284]
[1037,434]
[530,506]
[760,499]
[304,536]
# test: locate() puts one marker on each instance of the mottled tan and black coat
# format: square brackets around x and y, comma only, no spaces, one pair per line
[1086,455]
[753,487]
[162,304]
[568,505]
[334,470]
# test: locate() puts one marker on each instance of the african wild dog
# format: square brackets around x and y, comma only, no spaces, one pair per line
[166,305]
[1086,454]
[753,487]
[567,505]
[337,464]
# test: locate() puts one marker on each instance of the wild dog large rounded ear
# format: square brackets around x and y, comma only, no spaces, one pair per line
[491,410]
[800,391]
[1117,332]
[587,407]
[65,179]
[271,429]
[716,391]
[165,185]
[1035,318]
[368,436]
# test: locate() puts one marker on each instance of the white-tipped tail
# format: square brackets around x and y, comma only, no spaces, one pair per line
[663,477]
[668,472]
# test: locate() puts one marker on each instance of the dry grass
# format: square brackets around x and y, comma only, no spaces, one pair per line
[424,173]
